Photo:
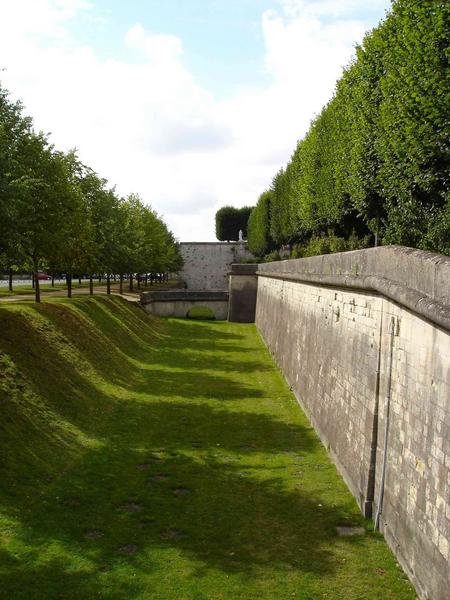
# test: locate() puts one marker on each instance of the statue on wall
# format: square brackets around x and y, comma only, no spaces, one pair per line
[241,235]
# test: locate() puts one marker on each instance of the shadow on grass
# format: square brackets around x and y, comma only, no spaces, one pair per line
[150,346]
[180,474]
[232,517]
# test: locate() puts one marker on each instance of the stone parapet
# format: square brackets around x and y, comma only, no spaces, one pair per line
[242,291]
[416,279]
[363,340]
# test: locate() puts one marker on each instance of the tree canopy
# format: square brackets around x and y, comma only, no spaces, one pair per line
[375,163]
[231,220]
[58,214]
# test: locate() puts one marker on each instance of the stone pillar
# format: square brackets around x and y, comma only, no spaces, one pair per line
[243,285]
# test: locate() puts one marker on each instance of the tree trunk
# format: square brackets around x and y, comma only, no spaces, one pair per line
[69,285]
[139,282]
[99,279]
[151,278]
[33,279]
[37,289]
[121,284]
[108,284]
[53,280]
[79,280]
[131,282]
[10,283]
[91,285]
[146,279]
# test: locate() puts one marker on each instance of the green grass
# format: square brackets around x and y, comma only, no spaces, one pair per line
[201,312]
[159,460]
[45,288]
[22,289]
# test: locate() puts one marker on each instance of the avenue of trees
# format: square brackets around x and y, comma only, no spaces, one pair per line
[374,166]
[58,215]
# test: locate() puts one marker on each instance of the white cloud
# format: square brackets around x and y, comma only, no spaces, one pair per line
[329,8]
[161,49]
[150,127]
[38,17]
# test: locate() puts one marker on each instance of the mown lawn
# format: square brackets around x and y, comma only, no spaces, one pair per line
[165,460]
[24,289]
[60,289]
[46,287]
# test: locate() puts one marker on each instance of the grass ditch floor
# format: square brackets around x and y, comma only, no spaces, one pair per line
[166,459]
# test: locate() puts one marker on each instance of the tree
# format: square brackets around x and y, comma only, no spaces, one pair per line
[230,220]
[57,213]
[259,239]
[46,202]
[377,158]
[14,128]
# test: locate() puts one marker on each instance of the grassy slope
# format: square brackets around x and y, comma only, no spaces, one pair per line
[177,447]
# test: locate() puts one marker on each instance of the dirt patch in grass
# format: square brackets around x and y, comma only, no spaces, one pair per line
[158,478]
[143,466]
[181,491]
[130,507]
[128,549]
[172,534]
[94,535]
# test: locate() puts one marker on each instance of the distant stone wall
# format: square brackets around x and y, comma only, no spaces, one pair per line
[332,323]
[177,303]
[207,264]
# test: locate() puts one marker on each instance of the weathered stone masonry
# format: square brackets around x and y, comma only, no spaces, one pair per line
[206,264]
[329,322]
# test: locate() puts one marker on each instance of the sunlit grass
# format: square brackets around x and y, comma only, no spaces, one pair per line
[61,288]
[156,459]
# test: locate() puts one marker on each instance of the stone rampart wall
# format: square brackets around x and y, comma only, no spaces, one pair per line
[206,264]
[343,346]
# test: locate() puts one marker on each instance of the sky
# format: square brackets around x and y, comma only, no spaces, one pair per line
[192,104]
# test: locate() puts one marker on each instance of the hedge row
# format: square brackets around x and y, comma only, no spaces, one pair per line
[377,159]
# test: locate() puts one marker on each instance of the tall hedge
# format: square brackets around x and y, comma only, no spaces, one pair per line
[377,158]
[231,220]
[259,239]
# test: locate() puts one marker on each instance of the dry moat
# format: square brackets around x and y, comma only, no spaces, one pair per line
[166,459]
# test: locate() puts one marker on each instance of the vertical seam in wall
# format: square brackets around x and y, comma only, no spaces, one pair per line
[370,494]
[386,423]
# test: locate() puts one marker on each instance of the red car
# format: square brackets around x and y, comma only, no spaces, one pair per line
[42,276]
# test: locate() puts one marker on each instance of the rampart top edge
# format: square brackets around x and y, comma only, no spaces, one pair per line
[416,279]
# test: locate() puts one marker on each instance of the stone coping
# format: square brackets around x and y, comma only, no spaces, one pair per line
[231,243]
[243,269]
[416,279]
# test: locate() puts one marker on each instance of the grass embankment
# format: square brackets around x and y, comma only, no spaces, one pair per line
[165,460]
